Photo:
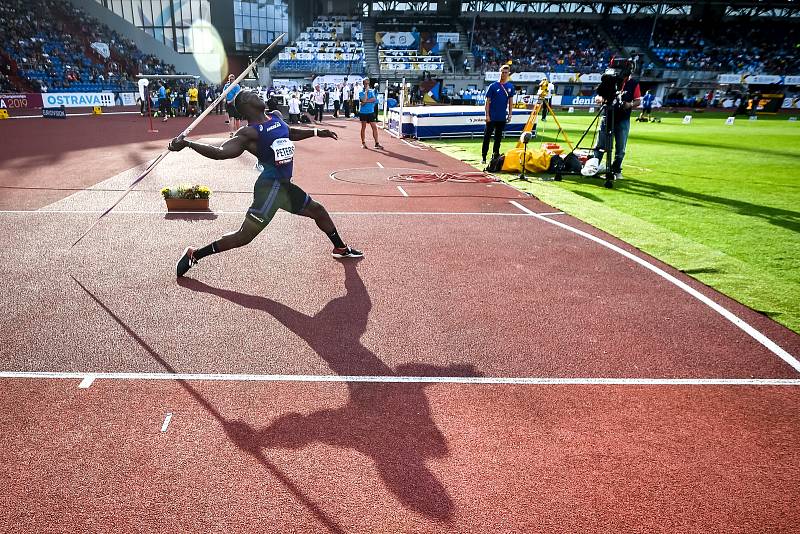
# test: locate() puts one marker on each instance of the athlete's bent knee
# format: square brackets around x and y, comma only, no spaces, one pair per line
[314,210]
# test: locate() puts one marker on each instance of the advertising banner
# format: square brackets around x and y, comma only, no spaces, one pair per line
[336,79]
[54,113]
[516,77]
[762,79]
[279,83]
[576,101]
[398,39]
[791,80]
[77,100]
[564,77]
[11,102]
[443,37]
[791,103]
[731,78]
[128,99]
[593,77]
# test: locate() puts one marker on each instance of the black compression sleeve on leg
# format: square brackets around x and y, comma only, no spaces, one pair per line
[335,239]
[205,251]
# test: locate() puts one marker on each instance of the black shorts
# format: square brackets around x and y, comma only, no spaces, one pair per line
[367,117]
[270,194]
[232,112]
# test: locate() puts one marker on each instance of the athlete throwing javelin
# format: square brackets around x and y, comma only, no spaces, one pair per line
[270,140]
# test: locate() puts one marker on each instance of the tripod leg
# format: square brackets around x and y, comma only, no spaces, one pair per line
[609,183]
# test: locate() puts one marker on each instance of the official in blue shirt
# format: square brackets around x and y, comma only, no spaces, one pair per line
[233,115]
[368,112]
[499,102]
[163,101]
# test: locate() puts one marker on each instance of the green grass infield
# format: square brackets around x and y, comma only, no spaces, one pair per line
[719,202]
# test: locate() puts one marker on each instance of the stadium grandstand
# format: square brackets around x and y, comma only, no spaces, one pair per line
[53,46]
[683,50]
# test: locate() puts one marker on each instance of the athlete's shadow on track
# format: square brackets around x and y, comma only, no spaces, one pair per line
[390,423]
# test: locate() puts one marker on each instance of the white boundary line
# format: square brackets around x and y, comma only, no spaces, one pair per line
[242,213]
[499,380]
[412,146]
[379,164]
[730,316]
[403,191]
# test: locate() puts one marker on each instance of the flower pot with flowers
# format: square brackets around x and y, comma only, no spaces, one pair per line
[186,197]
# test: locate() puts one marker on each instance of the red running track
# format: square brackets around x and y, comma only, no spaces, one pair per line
[457,282]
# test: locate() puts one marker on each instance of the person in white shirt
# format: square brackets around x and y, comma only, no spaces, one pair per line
[346,100]
[318,97]
[294,109]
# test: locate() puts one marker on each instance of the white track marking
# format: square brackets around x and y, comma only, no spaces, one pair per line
[727,314]
[547,214]
[412,146]
[379,164]
[529,381]
[241,213]
[167,419]
[86,383]
[403,191]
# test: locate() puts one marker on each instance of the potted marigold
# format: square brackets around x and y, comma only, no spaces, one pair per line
[186,197]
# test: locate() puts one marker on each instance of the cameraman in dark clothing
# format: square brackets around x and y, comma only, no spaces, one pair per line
[628,96]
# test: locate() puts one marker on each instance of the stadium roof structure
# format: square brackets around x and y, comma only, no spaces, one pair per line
[764,8]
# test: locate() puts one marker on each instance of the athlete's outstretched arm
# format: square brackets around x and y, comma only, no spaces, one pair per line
[232,148]
[298,134]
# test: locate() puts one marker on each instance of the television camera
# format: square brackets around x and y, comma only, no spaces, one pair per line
[612,80]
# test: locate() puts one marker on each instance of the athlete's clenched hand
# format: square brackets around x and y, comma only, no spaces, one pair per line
[178,144]
[327,133]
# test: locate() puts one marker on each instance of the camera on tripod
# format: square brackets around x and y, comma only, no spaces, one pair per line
[615,75]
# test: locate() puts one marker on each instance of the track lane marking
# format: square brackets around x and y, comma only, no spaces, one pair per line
[167,419]
[403,191]
[241,213]
[87,381]
[379,164]
[497,380]
[727,314]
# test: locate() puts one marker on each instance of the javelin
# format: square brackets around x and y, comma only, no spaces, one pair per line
[185,133]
